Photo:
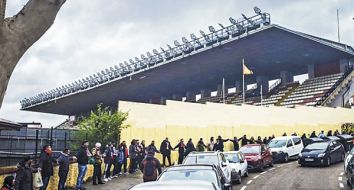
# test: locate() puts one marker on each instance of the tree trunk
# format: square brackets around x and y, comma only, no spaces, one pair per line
[20,32]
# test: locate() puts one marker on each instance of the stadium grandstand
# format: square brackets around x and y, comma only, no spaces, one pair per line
[197,67]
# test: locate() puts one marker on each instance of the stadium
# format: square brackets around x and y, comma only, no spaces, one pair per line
[197,85]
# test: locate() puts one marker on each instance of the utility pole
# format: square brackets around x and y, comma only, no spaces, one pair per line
[338,25]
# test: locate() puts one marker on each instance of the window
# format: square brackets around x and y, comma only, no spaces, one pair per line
[290,143]
[297,141]
[223,158]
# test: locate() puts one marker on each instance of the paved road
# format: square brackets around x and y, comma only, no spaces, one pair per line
[287,176]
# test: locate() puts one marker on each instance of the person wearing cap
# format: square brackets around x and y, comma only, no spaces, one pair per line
[97,166]
[8,183]
[150,167]
[24,178]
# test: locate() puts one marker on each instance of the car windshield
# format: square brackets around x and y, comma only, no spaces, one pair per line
[183,175]
[202,159]
[232,158]
[250,149]
[317,146]
[277,143]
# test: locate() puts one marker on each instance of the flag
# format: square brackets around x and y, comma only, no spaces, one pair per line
[246,71]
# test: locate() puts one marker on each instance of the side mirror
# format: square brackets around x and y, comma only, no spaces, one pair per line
[242,161]
[223,164]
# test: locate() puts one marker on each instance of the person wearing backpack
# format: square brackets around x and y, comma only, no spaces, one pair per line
[150,167]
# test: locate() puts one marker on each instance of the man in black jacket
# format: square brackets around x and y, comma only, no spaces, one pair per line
[219,146]
[24,179]
[165,150]
[235,143]
[63,162]
[152,148]
[82,161]
[181,149]
[46,165]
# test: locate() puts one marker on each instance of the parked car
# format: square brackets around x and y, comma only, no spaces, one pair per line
[208,173]
[258,156]
[322,153]
[285,148]
[349,172]
[348,158]
[215,158]
[175,185]
[238,164]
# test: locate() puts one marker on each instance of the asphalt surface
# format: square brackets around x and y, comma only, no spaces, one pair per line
[284,176]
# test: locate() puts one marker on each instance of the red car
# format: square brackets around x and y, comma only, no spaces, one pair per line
[258,156]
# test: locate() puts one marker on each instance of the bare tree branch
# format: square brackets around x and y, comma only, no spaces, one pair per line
[20,32]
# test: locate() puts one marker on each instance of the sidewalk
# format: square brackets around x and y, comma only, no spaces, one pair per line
[121,183]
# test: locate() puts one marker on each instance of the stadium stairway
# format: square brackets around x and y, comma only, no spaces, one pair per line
[277,94]
[313,90]
[337,89]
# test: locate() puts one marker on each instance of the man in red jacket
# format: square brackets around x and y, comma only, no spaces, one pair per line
[150,167]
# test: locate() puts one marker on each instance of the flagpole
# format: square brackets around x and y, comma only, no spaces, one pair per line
[261,95]
[243,80]
[223,90]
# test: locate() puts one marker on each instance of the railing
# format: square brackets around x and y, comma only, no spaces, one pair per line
[135,65]
[326,96]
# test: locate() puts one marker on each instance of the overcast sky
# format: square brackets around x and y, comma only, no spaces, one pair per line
[91,35]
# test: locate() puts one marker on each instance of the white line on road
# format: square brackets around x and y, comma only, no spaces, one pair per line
[263,172]
[255,177]
[340,178]
[342,173]
[248,182]
[271,169]
[341,185]
[243,188]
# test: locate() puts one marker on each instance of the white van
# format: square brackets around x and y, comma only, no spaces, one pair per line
[286,147]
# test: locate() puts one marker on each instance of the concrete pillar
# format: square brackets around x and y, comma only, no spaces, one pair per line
[262,80]
[190,97]
[205,93]
[162,100]
[177,97]
[238,86]
[286,77]
[311,71]
[343,65]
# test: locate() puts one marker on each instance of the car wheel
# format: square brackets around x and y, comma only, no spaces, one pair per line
[246,173]
[271,164]
[239,180]
[328,161]
[261,166]
[286,158]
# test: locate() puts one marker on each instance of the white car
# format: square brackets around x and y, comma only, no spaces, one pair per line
[214,158]
[238,164]
[348,158]
[286,147]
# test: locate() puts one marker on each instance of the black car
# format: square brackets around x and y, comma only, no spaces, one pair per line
[349,172]
[322,153]
[347,141]
[200,172]
[308,141]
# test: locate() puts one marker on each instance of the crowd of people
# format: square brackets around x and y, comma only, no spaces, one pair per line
[115,159]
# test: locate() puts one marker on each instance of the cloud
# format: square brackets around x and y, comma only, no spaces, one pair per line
[89,36]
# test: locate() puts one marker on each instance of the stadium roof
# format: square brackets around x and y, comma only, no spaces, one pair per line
[266,50]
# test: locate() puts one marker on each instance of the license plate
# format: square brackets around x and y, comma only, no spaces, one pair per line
[309,159]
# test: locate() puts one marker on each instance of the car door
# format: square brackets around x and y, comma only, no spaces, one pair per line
[225,166]
[298,145]
[243,162]
[337,150]
[290,147]
[265,154]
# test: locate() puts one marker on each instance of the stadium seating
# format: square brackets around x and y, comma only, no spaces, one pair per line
[309,92]
[278,94]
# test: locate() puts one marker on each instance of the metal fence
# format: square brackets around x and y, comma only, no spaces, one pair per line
[14,145]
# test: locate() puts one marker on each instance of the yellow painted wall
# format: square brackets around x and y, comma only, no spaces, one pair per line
[189,120]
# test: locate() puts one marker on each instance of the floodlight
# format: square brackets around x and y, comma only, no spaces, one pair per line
[143,56]
[103,73]
[202,32]
[257,10]
[121,65]
[193,36]
[212,29]
[107,71]
[116,67]
[169,47]
[131,61]
[126,63]
[232,20]
[221,26]
[176,43]
[148,54]
[155,51]
[137,59]
[162,49]
[244,16]
[184,40]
